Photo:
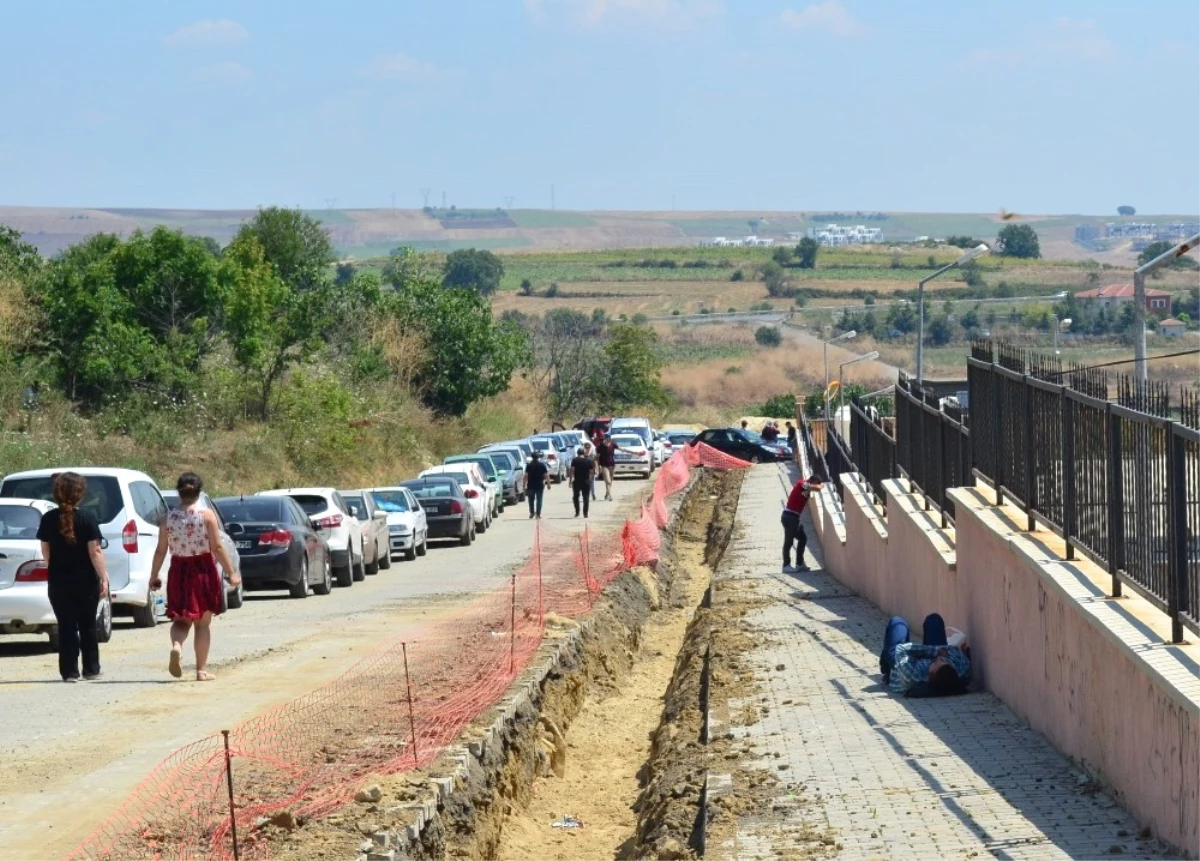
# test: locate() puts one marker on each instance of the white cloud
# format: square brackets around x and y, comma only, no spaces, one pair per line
[209,32]
[830,16]
[399,66]
[1064,39]
[595,12]
[231,72]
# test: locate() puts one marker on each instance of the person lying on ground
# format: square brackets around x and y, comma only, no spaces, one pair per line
[933,668]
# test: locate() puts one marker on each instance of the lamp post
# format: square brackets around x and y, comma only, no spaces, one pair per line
[845,336]
[1060,326]
[1139,298]
[865,357]
[965,258]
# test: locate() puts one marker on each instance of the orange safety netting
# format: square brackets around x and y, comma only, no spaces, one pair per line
[397,709]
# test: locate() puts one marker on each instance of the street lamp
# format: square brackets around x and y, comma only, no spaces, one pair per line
[845,336]
[1060,326]
[865,357]
[1139,298]
[965,258]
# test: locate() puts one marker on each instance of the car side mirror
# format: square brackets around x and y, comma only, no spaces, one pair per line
[381,515]
[316,527]
[103,543]
[492,480]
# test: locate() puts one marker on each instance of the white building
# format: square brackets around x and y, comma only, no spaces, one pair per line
[833,234]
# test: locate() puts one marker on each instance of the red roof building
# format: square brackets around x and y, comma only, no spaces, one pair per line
[1157,301]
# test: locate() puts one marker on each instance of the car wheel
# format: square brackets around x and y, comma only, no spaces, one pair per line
[483,527]
[373,568]
[411,553]
[385,561]
[754,458]
[423,547]
[343,576]
[235,599]
[300,588]
[144,617]
[326,584]
[360,570]
[104,627]
[468,538]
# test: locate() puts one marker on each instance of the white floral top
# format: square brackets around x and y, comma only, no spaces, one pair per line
[186,533]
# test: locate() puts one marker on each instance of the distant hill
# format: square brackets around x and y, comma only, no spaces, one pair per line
[362,233]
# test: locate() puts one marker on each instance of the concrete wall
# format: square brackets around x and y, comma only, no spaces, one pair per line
[1091,673]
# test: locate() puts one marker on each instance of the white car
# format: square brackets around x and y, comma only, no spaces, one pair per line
[552,456]
[234,595]
[333,521]
[633,425]
[408,527]
[129,508]
[479,492]
[24,600]
[662,447]
[632,455]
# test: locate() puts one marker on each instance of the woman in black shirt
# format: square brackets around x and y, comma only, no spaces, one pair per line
[75,562]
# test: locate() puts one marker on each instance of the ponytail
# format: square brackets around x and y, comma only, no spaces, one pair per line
[68,493]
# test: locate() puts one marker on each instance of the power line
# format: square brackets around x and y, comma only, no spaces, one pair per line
[1125,362]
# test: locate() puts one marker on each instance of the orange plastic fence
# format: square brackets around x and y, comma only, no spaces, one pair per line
[309,756]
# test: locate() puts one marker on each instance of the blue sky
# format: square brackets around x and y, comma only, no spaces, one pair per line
[1035,107]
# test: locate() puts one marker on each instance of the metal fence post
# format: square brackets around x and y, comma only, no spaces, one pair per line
[941,417]
[1070,525]
[997,418]
[1177,530]
[1116,510]
[1031,499]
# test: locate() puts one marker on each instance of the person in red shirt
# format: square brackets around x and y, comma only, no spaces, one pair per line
[793,532]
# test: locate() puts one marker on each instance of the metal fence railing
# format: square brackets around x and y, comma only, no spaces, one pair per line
[872,448]
[933,444]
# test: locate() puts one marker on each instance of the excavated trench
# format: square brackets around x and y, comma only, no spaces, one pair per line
[601,750]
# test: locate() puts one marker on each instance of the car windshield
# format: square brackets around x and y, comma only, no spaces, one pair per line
[19,521]
[312,504]
[460,477]
[484,462]
[391,501]
[250,509]
[439,490]
[354,502]
[102,499]
[628,441]
[680,438]
[544,444]
[747,434]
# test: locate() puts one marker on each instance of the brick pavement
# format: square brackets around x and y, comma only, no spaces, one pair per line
[882,776]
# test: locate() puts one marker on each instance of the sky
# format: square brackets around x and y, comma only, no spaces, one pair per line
[1031,106]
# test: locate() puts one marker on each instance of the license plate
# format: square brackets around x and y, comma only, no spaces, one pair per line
[243,545]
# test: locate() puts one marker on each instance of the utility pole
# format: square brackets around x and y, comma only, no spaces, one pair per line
[330,203]
[425,194]
[508,202]
[443,199]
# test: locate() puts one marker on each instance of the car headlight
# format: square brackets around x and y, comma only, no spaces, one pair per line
[398,529]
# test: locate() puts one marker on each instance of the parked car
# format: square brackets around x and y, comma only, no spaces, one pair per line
[374,527]
[496,468]
[279,545]
[515,486]
[476,490]
[680,438]
[129,508]
[779,446]
[552,456]
[739,443]
[233,594]
[343,533]
[662,447]
[632,455]
[576,436]
[447,509]
[408,527]
[524,445]
[639,426]
[24,579]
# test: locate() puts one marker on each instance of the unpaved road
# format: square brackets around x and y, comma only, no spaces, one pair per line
[72,753]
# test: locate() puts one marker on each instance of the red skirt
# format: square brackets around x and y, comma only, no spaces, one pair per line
[194,588]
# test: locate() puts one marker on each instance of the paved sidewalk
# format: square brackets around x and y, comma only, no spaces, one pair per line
[886,777]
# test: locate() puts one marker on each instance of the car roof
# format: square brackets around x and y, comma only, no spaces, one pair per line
[98,471]
[444,468]
[381,488]
[295,491]
[32,503]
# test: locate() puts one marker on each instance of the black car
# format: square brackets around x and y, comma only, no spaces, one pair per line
[739,443]
[447,510]
[279,546]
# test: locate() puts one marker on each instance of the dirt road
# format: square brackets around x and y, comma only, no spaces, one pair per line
[73,752]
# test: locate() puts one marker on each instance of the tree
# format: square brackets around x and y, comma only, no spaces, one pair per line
[775,279]
[1018,240]
[962,241]
[17,257]
[782,255]
[566,347]
[212,246]
[1126,210]
[295,244]
[1154,249]
[939,333]
[972,274]
[344,274]
[902,318]
[806,252]
[526,287]
[474,268]
[407,264]
[767,336]
[628,374]
[969,321]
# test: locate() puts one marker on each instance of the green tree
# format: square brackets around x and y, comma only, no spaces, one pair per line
[806,252]
[474,268]
[406,264]
[526,287]
[938,332]
[962,241]
[767,336]
[782,255]
[212,246]
[628,373]
[17,257]
[775,279]
[969,321]
[1154,249]
[295,244]
[1018,240]
[902,318]
[972,274]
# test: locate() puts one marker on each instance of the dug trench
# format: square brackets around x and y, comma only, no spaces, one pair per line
[598,751]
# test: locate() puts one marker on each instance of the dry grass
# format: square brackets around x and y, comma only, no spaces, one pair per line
[652,298]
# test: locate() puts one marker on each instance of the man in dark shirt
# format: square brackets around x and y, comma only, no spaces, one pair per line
[793,531]
[606,460]
[769,432]
[535,484]
[582,470]
[791,436]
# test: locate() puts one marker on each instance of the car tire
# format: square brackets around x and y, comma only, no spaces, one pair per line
[483,527]
[385,561]
[300,589]
[373,568]
[411,553]
[343,576]
[360,570]
[468,539]
[326,584]
[754,459]
[423,547]
[144,617]
[235,599]
[104,626]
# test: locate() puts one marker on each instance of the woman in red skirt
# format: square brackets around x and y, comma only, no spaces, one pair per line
[194,587]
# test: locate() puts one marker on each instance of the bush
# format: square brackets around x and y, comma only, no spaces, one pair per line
[526,287]
[779,406]
[675,313]
[732,310]
[667,264]
[738,275]
[639,319]
[705,311]
[868,299]
[552,290]
[768,336]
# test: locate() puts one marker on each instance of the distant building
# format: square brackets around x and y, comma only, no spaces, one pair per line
[1172,328]
[1157,301]
[833,234]
[742,242]
[1177,231]
[1086,233]
[1130,229]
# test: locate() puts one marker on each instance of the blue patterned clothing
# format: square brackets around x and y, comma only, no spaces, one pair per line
[912,662]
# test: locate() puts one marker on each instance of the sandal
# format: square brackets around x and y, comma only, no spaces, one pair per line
[205,676]
[173,667]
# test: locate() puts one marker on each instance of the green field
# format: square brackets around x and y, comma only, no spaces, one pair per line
[549,218]
[375,254]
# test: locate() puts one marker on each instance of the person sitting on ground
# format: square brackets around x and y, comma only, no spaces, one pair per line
[933,668]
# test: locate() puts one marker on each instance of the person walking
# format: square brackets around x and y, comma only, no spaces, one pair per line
[194,586]
[583,473]
[535,484]
[606,460]
[590,454]
[791,436]
[77,576]
[793,531]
